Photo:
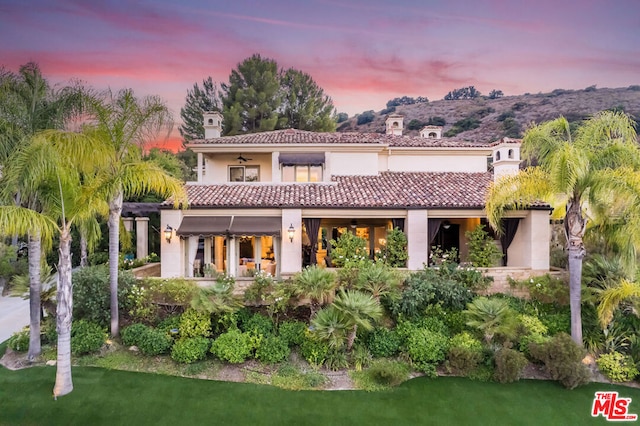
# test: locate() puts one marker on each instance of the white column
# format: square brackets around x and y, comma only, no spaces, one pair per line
[291,251]
[417,230]
[276,175]
[128,223]
[232,258]
[200,167]
[142,237]
[172,251]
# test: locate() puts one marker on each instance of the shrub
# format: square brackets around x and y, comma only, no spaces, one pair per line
[154,342]
[292,332]
[272,350]
[233,346]
[509,365]
[20,341]
[365,117]
[360,357]
[132,335]
[394,253]
[430,286]
[617,367]
[86,337]
[170,325]
[348,248]
[190,350]
[259,289]
[388,373]
[314,350]
[383,342]
[427,347]
[483,252]
[336,359]
[258,324]
[562,358]
[92,297]
[465,353]
[172,291]
[545,289]
[194,324]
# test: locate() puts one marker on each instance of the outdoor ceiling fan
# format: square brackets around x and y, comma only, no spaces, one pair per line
[243,159]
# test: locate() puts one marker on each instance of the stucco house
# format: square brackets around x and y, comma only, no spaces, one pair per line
[272,201]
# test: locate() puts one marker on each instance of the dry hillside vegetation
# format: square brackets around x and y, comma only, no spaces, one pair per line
[506,116]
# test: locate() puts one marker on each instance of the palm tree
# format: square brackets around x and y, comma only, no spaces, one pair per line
[318,284]
[330,324]
[491,316]
[625,293]
[379,279]
[28,105]
[126,123]
[358,309]
[590,176]
[55,164]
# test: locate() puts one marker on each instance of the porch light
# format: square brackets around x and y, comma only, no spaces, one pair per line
[446,224]
[291,232]
[168,232]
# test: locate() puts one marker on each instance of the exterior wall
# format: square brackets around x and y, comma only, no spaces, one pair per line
[172,253]
[417,230]
[353,163]
[216,167]
[530,246]
[428,162]
[291,252]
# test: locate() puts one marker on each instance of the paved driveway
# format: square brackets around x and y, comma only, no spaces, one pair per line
[14,315]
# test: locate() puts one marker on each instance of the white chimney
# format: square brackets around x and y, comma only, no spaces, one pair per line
[431,132]
[506,157]
[212,124]
[394,124]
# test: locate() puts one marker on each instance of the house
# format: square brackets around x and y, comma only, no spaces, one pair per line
[273,200]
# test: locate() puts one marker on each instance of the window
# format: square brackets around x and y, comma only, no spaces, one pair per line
[302,173]
[244,173]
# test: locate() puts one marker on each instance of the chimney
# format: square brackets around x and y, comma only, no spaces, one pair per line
[394,124]
[212,124]
[431,132]
[506,157]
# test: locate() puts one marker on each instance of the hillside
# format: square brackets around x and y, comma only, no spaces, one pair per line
[506,116]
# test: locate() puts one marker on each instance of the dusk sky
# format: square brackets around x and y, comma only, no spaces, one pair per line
[362,53]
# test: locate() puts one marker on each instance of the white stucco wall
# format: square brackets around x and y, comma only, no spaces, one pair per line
[417,229]
[530,246]
[216,167]
[291,252]
[428,162]
[352,163]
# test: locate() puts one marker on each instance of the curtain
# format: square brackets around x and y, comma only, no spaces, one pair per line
[433,228]
[398,223]
[193,250]
[312,226]
[510,227]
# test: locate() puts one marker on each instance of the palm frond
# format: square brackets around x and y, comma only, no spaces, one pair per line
[611,298]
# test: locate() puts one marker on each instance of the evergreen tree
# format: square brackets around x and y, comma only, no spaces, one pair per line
[306,107]
[198,100]
[253,97]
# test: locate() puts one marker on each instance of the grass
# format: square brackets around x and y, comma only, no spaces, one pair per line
[104,396]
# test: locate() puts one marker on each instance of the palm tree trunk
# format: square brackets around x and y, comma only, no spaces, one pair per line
[575,225]
[34,296]
[115,209]
[83,249]
[64,383]
[352,337]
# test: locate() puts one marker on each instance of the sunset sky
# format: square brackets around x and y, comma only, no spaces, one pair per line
[362,53]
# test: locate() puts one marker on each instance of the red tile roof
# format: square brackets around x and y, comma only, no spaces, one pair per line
[387,190]
[294,136]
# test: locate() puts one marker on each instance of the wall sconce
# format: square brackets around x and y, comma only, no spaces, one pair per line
[446,224]
[291,232]
[353,224]
[168,232]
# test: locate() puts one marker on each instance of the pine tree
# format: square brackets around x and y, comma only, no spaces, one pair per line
[198,100]
[306,107]
[252,98]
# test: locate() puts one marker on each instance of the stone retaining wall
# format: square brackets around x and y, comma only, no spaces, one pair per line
[501,279]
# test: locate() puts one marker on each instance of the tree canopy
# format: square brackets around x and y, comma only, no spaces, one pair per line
[198,100]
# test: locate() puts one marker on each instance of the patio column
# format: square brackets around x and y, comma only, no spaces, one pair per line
[142,237]
[128,223]
[291,251]
[417,231]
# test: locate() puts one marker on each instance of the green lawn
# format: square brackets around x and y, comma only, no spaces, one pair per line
[103,396]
